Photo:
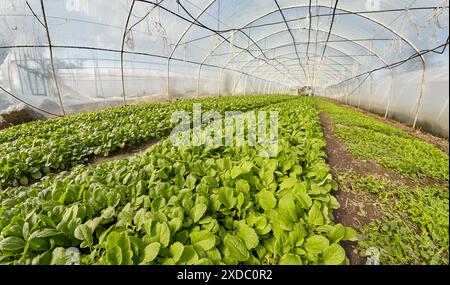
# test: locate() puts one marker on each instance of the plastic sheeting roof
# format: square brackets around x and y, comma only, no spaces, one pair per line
[209,46]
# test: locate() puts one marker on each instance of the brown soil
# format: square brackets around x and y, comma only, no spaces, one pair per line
[361,208]
[123,153]
[441,143]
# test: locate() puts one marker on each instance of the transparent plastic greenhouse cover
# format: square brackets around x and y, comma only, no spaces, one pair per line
[389,57]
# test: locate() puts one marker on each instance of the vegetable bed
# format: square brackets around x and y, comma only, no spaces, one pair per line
[32,150]
[189,205]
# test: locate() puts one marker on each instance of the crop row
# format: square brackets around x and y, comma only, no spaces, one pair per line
[32,150]
[186,205]
[368,138]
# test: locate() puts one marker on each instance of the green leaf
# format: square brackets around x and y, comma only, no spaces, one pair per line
[150,252]
[316,244]
[287,205]
[189,256]
[198,211]
[118,249]
[62,256]
[84,233]
[350,234]
[44,233]
[235,248]
[333,255]
[288,183]
[114,256]
[12,244]
[204,261]
[23,180]
[243,186]
[163,234]
[337,233]
[190,182]
[36,175]
[315,216]
[248,235]
[226,197]
[302,195]
[290,259]
[267,200]
[176,251]
[204,239]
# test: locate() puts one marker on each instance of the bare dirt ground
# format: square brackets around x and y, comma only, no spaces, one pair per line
[441,143]
[342,161]
[123,153]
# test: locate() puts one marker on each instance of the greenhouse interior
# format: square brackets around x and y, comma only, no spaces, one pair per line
[224,132]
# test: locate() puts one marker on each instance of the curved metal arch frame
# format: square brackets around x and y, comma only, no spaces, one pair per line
[403,38]
[173,51]
[178,43]
[252,60]
[334,34]
[206,58]
[286,54]
[292,36]
[353,58]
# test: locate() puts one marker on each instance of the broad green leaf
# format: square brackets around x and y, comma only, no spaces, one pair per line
[190,182]
[84,233]
[226,197]
[290,259]
[176,250]
[302,195]
[337,233]
[235,248]
[114,256]
[316,244]
[287,205]
[243,186]
[150,252]
[163,234]
[333,255]
[62,256]
[248,235]
[189,256]
[267,200]
[315,216]
[198,211]
[350,234]
[118,249]
[12,244]
[204,239]
[43,233]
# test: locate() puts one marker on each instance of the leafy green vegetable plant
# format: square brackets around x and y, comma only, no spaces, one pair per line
[186,205]
[33,150]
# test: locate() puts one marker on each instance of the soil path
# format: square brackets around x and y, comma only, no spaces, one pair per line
[341,161]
